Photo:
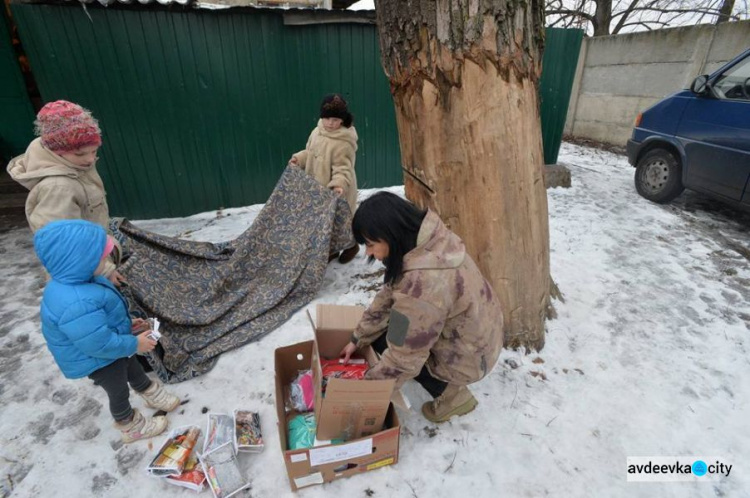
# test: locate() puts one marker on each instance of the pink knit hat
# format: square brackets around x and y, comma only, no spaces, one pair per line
[65,126]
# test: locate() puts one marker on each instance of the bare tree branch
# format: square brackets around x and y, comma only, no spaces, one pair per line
[569,13]
[681,11]
[560,20]
[646,25]
[625,14]
[603,17]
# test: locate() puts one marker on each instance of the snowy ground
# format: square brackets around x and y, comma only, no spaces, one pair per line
[646,358]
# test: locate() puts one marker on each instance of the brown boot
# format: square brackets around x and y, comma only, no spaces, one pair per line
[455,400]
[332,256]
[348,254]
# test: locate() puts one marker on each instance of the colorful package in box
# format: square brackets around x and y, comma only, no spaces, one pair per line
[247,434]
[301,393]
[219,431]
[174,454]
[192,477]
[355,369]
[302,431]
[222,472]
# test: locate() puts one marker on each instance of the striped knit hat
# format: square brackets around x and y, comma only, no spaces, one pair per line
[65,126]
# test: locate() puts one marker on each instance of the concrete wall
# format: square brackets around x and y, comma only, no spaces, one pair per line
[619,76]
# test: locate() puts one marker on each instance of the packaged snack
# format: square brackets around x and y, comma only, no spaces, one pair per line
[302,430]
[301,393]
[192,477]
[220,430]
[247,433]
[151,324]
[154,334]
[141,327]
[174,454]
[355,369]
[222,472]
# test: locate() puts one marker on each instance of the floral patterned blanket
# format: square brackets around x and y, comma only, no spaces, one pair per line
[212,298]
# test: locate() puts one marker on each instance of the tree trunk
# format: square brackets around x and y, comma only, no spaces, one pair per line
[725,11]
[602,17]
[464,77]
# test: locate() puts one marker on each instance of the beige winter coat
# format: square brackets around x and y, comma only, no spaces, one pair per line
[329,158]
[59,190]
[442,313]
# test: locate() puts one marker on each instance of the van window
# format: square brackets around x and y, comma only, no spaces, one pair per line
[735,83]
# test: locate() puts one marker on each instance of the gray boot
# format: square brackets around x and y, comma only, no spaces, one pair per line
[158,398]
[141,427]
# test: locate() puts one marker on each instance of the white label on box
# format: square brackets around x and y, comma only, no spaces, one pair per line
[299,457]
[322,456]
[316,478]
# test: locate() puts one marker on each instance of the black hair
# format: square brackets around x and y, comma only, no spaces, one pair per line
[386,217]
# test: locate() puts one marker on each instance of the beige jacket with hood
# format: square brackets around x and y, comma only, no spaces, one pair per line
[59,190]
[441,312]
[329,158]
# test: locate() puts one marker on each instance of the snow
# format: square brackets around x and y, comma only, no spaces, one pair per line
[647,357]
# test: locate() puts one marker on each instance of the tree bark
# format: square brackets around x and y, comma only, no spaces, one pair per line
[464,77]
[725,11]
[602,17]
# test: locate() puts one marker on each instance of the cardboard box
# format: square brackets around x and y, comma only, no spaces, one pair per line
[321,464]
[351,408]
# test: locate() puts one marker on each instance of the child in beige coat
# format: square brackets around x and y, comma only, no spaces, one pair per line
[59,169]
[330,154]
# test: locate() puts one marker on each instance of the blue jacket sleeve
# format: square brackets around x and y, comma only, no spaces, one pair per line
[85,324]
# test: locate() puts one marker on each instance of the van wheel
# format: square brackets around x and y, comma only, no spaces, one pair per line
[658,176]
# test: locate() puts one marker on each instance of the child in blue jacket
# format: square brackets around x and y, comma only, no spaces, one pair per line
[87,327]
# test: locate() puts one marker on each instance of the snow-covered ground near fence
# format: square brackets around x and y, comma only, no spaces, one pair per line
[648,356]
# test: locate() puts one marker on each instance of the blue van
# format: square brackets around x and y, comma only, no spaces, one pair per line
[697,139]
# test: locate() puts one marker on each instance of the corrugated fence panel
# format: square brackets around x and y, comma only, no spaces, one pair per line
[561,51]
[16,125]
[202,109]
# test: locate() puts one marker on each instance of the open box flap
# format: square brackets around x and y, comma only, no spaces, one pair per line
[333,316]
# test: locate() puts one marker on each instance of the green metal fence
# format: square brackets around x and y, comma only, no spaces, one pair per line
[558,71]
[16,124]
[201,109]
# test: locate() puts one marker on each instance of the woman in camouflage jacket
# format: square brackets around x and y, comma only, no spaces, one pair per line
[436,319]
